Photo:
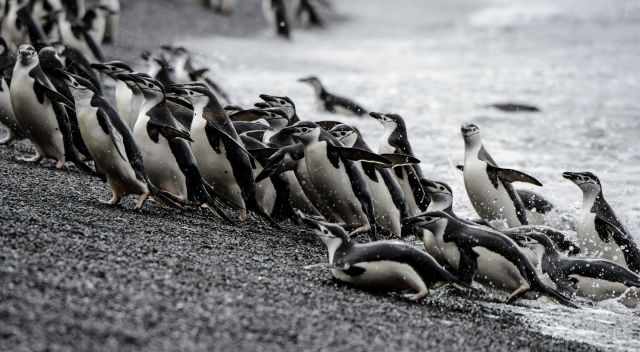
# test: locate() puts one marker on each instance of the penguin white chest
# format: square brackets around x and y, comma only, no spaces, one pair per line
[159,162]
[37,119]
[214,166]
[496,271]
[490,202]
[383,275]
[598,289]
[592,245]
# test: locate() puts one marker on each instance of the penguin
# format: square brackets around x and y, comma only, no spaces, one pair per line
[123,94]
[328,175]
[113,20]
[596,279]
[166,153]
[13,28]
[223,7]
[388,199]
[75,8]
[307,14]
[110,142]
[95,22]
[77,36]
[7,116]
[39,110]
[396,141]
[283,103]
[536,205]
[488,186]
[75,62]
[275,12]
[487,256]
[514,107]
[598,225]
[333,103]
[380,265]
[225,163]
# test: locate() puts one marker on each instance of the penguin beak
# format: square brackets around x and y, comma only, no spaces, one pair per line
[572,176]
[469,130]
[291,130]
[306,79]
[378,116]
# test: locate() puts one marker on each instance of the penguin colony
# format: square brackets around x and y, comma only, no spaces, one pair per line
[162,132]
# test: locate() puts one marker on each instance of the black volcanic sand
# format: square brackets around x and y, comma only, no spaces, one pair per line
[79,275]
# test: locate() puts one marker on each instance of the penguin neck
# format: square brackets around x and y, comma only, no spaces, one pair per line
[319,89]
[440,203]
[590,198]
[472,148]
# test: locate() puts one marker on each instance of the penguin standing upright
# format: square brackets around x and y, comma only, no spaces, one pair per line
[490,187]
[225,163]
[77,37]
[113,20]
[39,110]
[396,141]
[7,116]
[95,22]
[109,142]
[275,11]
[126,107]
[13,30]
[388,199]
[164,144]
[328,175]
[598,225]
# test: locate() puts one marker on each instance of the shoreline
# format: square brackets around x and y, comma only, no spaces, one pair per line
[79,275]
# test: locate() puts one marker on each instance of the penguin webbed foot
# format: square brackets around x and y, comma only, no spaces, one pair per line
[111,202]
[33,159]
[416,296]
[518,293]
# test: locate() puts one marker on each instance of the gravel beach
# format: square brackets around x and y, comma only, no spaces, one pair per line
[76,275]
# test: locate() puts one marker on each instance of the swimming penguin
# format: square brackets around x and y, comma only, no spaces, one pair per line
[328,175]
[39,110]
[166,153]
[110,142]
[388,198]
[224,161]
[396,141]
[597,279]
[489,186]
[487,256]
[380,265]
[7,117]
[275,12]
[331,102]
[598,225]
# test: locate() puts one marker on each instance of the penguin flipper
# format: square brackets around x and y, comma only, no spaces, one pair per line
[161,121]
[44,88]
[214,132]
[607,229]
[533,201]
[356,154]
[93,45]
[468,265]
[108,128]
[398,159]
[509,175]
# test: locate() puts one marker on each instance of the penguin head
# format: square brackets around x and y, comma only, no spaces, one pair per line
[346,134]
[49,58]
[27,55]
[285,103]
[389,121]
[277,118]
[440,193]
[197,93]
[587,181]
[470,132]
[434,222]
[314,82]
[329,233]
[80,87]
[152,90]
[112,68]
[304,131]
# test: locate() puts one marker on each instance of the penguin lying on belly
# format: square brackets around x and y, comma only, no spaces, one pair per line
[488,256]
[331,102]
[380,265]
[597,279]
